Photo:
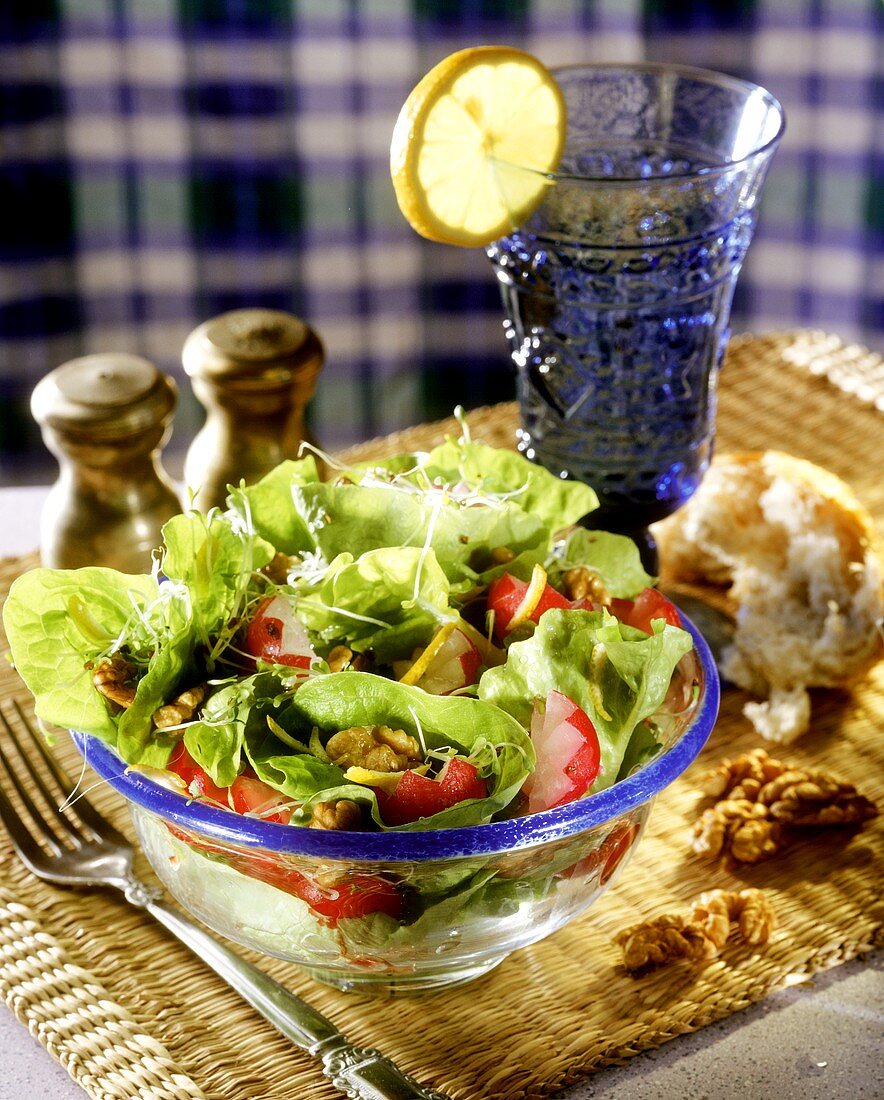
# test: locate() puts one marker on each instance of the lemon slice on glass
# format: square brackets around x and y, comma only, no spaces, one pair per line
[473,145]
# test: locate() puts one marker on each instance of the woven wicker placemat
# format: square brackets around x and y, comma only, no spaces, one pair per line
[132,1014]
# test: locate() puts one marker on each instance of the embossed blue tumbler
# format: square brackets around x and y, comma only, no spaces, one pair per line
[618,290]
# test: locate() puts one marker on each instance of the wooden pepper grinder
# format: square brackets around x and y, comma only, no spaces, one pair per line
[105,418]
[255,370]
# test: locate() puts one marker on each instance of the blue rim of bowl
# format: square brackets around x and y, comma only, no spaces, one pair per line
[395,847]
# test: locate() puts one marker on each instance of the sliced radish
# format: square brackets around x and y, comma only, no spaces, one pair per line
[568,754]
[276,635]
[455,664]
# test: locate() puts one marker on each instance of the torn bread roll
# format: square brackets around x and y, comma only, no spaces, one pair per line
[797,551]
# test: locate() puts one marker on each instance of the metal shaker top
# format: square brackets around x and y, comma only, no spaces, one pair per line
[258,345]
[106,396]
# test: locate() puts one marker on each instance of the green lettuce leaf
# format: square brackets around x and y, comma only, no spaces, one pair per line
[60,620]
[354,519]
[556,502]
[614,557]
[388,600]
[234,725]
[215,562]
[170,666]
[643,747]
[267,505]
[57,621]
[630,675]
[209,565]
[277,921]
[216,741]
[496,743]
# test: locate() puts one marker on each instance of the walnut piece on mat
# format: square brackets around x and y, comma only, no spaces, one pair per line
[699,934]
[759,796]
[797,551]
[739,831]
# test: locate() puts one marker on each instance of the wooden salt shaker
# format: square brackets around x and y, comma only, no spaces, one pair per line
[255,370]
[105,418]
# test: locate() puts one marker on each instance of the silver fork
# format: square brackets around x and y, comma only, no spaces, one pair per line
[76,846]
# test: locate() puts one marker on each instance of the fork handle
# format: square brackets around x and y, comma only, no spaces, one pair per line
[359,1072]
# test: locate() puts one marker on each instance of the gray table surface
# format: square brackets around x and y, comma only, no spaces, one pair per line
[816,1041]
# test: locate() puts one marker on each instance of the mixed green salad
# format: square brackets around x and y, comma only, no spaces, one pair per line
[417,643]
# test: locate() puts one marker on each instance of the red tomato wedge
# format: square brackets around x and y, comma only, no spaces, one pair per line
[647,606]
[506,595]
[609,855]
[198,782]
[416,796]
[250,795]
[356,896]
[616,846]
[276,635]
[568,754]
[246,795]
[453,666]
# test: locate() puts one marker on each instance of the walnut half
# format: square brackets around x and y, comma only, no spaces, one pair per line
[340,815]
[180,709]
[699,934]
[739,831]
[375,748]
[581,583]
[656,942]
[716,910]
[113,679]
[761,798]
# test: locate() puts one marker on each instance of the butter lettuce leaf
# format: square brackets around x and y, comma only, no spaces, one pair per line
[556,502]
[354,519]
[216,741]
[619,676]
[214,561]
[170,666]
[58,622]
[234,727]
[615,558]
[209,565]
[268,508]
[388,600]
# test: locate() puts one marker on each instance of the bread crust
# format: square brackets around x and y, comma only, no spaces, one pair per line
[793,554]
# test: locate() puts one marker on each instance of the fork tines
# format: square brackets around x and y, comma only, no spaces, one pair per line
[36,777]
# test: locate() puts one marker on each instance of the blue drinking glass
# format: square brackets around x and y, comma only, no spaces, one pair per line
[617,292]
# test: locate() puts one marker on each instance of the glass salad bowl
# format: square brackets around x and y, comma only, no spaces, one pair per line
[406,912]
[390,726]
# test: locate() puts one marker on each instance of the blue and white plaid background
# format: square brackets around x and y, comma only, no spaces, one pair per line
[164,160]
